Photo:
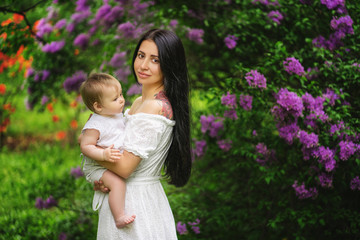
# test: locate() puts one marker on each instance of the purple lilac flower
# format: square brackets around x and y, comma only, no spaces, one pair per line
[195,226]
[325,180]
[319,42]
[231,114]
[60,24]
[206,122]
[76,172]
[111,17]
[293,66]
[355,183]
[303,193]
[279,113]
[52,13]
[312,73]
[229,100]
[139,8]
[62,236]
[356,65]
[36,77]
[230,41]
[30,72]
[254,133]
[78,17]
[308,140]
[81,6]
[326,157]
[95,42]
[265,154]
[255,79]
[70,27]
[50,202]
[224,145]
[134,89]
[347,149]
[288,132]
[196,35]
[118,60]
[290,101]
[173,23]
[336,127]
[73,83]
[53,46]
[200,148]
[44,100]
[343,24]
[181,228]
[127,29]
[215,128]
[332,4]
[331,96]
[210,123]
[276,16]
[246,102]
[261,148]
[308,101]
[45,74]
[102,11]
[82,41]
[43,28]
[39,203]
[123,73]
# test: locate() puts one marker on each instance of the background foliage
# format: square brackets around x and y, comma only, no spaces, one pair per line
[274,107]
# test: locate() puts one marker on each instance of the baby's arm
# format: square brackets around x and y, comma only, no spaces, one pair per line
[88,147]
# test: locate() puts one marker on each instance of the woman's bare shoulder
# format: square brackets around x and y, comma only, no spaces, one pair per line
[135,105]
[158,106]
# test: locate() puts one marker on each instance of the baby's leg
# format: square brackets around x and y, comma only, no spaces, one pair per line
[117,188]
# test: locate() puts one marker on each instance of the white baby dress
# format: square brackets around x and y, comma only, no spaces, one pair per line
[111,131]
[148,136]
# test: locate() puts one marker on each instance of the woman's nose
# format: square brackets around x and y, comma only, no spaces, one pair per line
[144,64]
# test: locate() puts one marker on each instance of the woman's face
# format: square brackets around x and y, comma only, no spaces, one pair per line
[147,64]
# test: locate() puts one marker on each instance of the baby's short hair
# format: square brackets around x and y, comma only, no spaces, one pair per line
[92,89]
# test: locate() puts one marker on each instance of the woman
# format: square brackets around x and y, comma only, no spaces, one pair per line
[157,135]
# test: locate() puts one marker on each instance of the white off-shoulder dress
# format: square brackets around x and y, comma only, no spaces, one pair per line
[148,136]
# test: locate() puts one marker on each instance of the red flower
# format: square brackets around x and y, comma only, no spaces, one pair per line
[50,107]
[60,135]
[2,89]
[73,104]
[55,118]
[74,124]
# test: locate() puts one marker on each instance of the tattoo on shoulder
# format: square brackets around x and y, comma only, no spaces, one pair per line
[166,109]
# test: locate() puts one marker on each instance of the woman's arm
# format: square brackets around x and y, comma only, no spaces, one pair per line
[124,166]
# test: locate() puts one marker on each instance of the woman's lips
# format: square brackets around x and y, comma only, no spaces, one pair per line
[143,75]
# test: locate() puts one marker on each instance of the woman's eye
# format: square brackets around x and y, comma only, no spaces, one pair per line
[140,55]
[155,60]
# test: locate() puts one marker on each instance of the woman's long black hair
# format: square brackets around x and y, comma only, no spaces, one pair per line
[176,86]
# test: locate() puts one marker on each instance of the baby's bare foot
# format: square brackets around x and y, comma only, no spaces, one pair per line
[124,220]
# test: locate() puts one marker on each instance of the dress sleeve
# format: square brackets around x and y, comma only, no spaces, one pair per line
[93,123]
[142,136]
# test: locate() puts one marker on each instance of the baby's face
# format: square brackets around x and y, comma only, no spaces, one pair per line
[112,101]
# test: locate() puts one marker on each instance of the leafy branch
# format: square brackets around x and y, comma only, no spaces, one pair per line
[6,9]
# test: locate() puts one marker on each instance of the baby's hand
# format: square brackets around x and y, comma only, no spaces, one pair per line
[110,154]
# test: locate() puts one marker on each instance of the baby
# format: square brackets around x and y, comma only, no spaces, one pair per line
[102,94]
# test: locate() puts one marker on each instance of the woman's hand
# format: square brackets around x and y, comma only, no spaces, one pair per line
[99,186]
